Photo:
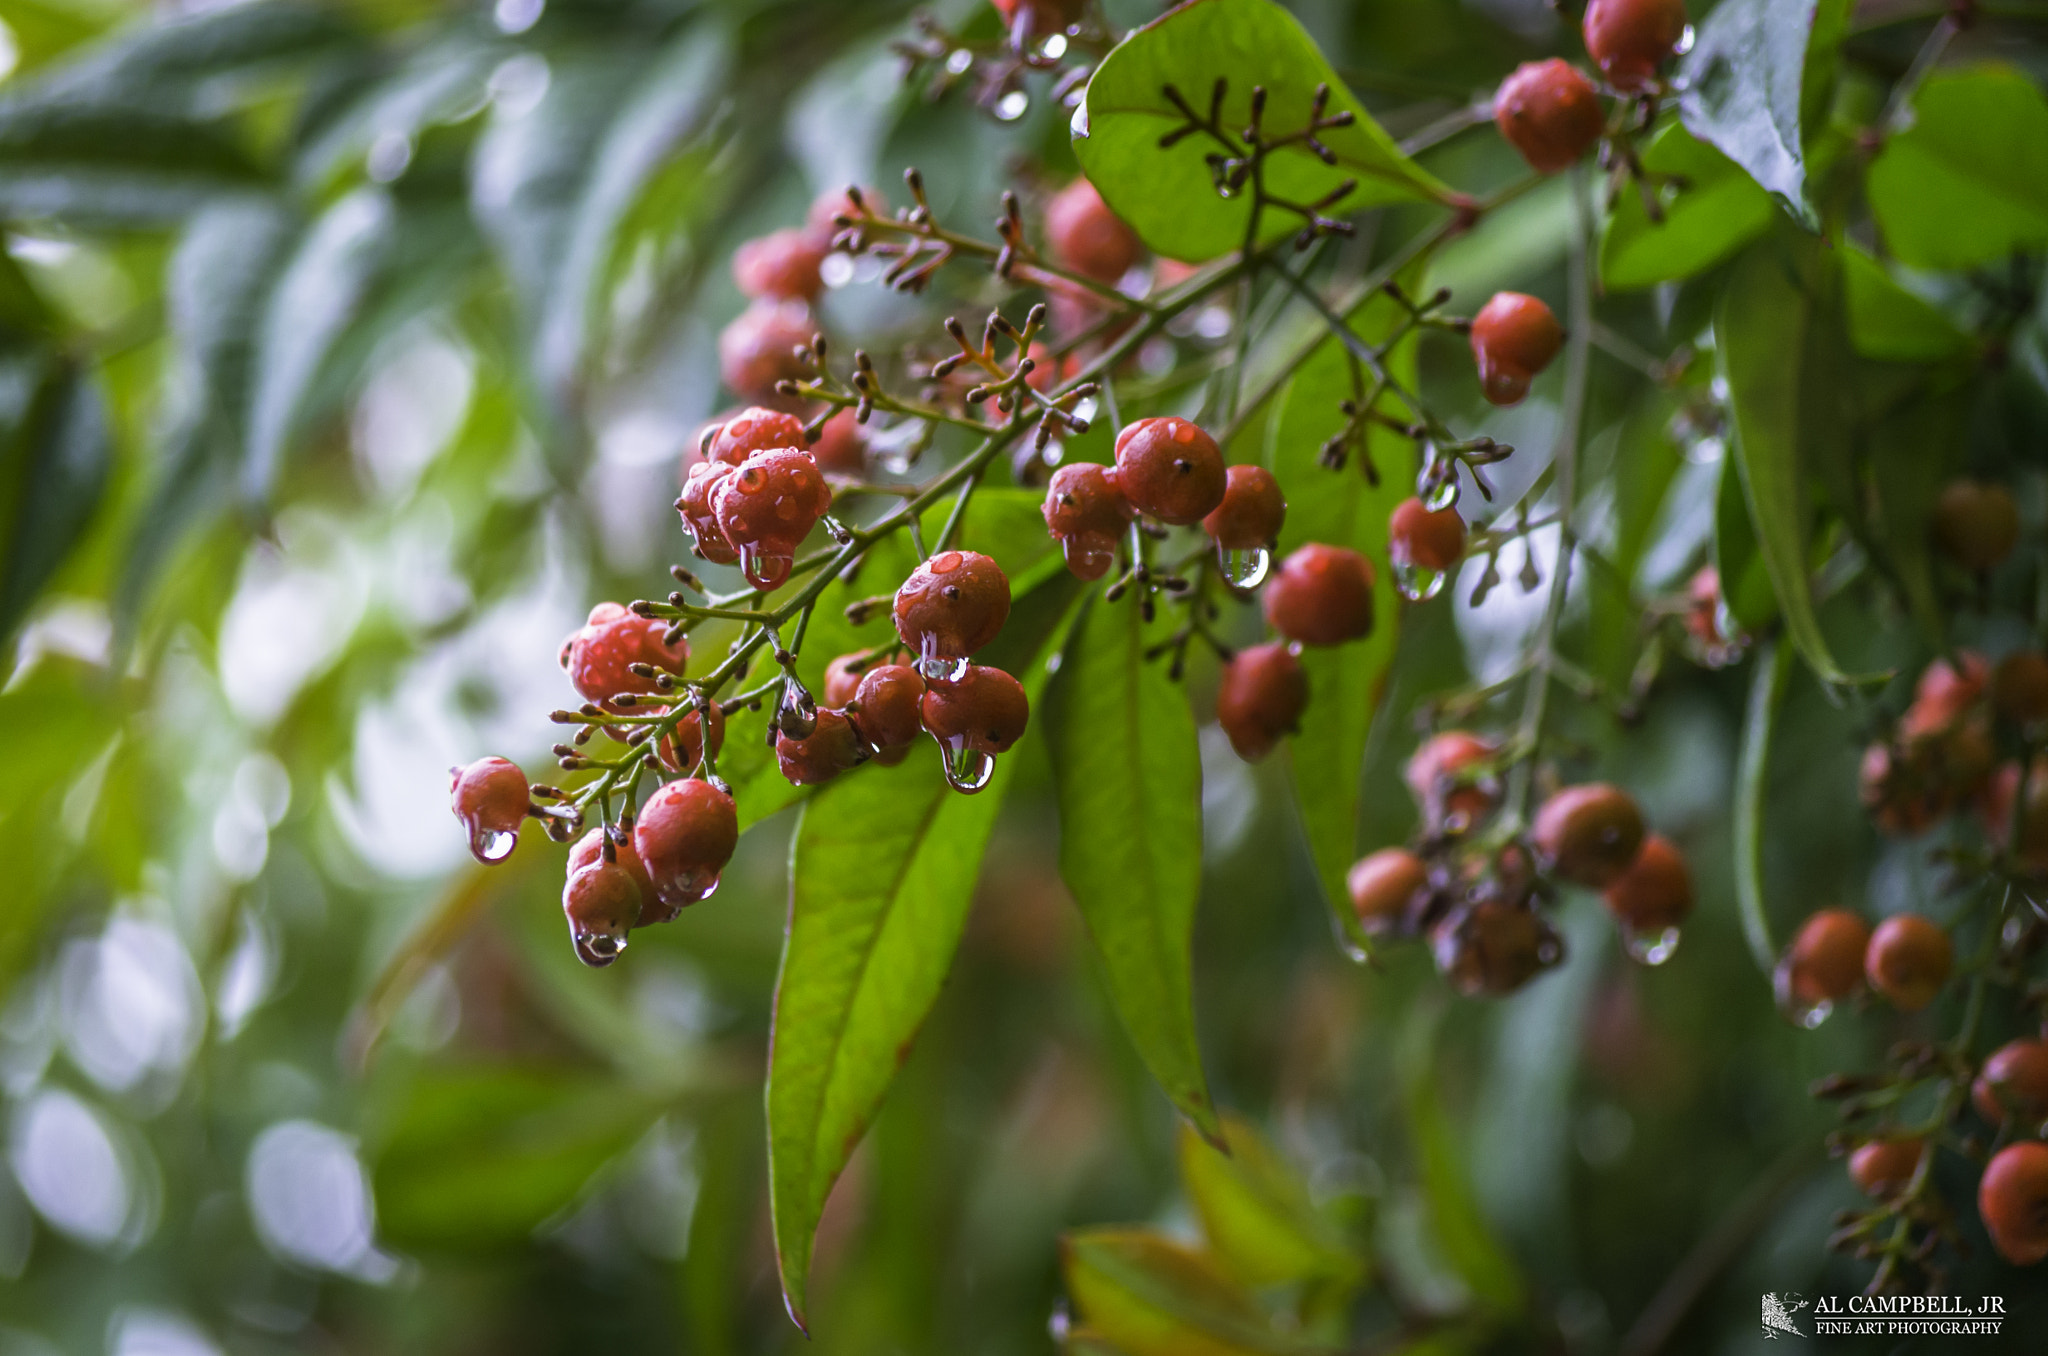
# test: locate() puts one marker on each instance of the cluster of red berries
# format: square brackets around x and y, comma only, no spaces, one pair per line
[756,495]
[1550,112]
[1906,960]
[1476,897]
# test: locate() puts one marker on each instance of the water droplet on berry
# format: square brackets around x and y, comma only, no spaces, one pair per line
[1087,556]
[684,888]
[796,712]
[597,947]
[1685,41]
[1650,947]
[968,770]
[1798,1011]
[1417,584]
[1054,47]
[491,846]
[1011,106]
[958,60]
[938,668]
[1245,569]
[763,570]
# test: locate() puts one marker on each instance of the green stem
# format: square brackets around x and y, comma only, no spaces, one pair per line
[1766,694]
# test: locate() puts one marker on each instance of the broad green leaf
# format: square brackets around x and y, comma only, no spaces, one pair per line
[1715,210]
[1143,1294]
[1967,182]
[1128,772]
[1745,583]
[55,464]
[881,875]
[1889,323]
[478,1157]
[1256,1212]
[1340,507]
[53,719]
[1749,78]
[114,165]
[1167,195]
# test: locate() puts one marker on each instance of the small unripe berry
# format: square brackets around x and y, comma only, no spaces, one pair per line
[600,656]
[984,710]
[1907,961]
[1883,1167]
[2013,1200]
[681,751]
[1588,835]
[2014,1083]
[1514,337]
[1444,774]
[1081,233]
[1170,469]
[759,347]
[1655,892]
[1321,595]
[1384,886]
[781,265]
[1824,964]
[887,706]
[1424,539]
[589,851]
[1494,947]
[602,903]
[1548,112]
[490,798]
[765,509]
[2019,687]
[700,520]
[1087,514]
[1629,39]
[1252,511]
[951,606]
[752,430]
[685,835]
[832,746]
[1260,697]
[1976,525]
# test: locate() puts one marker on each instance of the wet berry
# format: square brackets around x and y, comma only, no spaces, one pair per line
[781,265]
[601,655]
[951,606]
[1384,887]
[887,706]
[759,347]
[1907,961]
[2013,1200]
[699,518]
[1260,697]
[602,903]
[1447,776]
[1629,39]
[1425,540]
[1494,947]
[685,836]
[1548,112]
[1976,525]
[1081,233]
[490,798]
[1884,1167]
[1588,835]
[841,447]
[1170,469]
[842,678]
[2014,1084]
[984,710]
[832,746]
[1703,623]
[2019,687]
[1087,514]
[1514,337]
[1652,899]
[765,509]
[1824,964]
[589,850]
[754,430]
[680,751]
[1251,513]
[1321,595]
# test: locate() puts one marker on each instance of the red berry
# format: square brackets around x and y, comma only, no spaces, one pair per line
[1907,961]
[2014,1083]
[1251,513]
[887,707]
[1384,886]
[1081,233]
[1425,540]
[491,798]
[1588,835]
[589,850]
[765,509]
[782,264]
[758,348]
[1087,514]
[1976,525]
[1629,39]
[1655,892]
[1260,697]
[952,605]
[685,835]
[2019,687]
[1549,113]
[754,430]
[699,519]
[1447,776]
[602,903]
[984,710]
[1494,947]
[832,746]
[1170,469]
[842,678]
[1824,964]
[1945,694]
[601,655]
[2013,1199]
[680,752]
[1884,1167]
[841,445]
[1321,595]
[1514,337]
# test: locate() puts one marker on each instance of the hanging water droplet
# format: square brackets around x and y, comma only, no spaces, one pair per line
[492,845]
[1650,947]
[1417,584]
[1086,555]
[1011,106]
[958,60]
[1437,487]
[1353,950]
[1798,1011]
[763,570]
[1549,949]
[684,888]
[1685,41]
[1245,569]
[1054,47]
[968,769]
[597,948]
[938,668]
[796,712]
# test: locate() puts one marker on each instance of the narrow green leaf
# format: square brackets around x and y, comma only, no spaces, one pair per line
[58,464]
[1752,781]
[1144,1294]
[1714,212]
[1967,182]
[1889,323]
[114,165]
[1167,195]
[1745,583]
[176,63]
[1128,773]
[1256,1212]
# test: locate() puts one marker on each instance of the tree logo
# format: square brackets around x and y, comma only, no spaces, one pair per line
[1778,1311]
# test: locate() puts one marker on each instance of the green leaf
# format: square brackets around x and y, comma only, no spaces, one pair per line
[1909,452]
[114,165]
[1128,772]
[1748,80]
[1967,183]
[882,872]
[1889,323]
[1716,210]
[477,1158]
[1146,1295]
[1256,1212]
[1752,784]
[56,467]
[176,63]
[1327,757]
[1167,195]
[1745,582]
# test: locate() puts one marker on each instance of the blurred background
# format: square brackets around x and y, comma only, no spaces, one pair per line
[347,353]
